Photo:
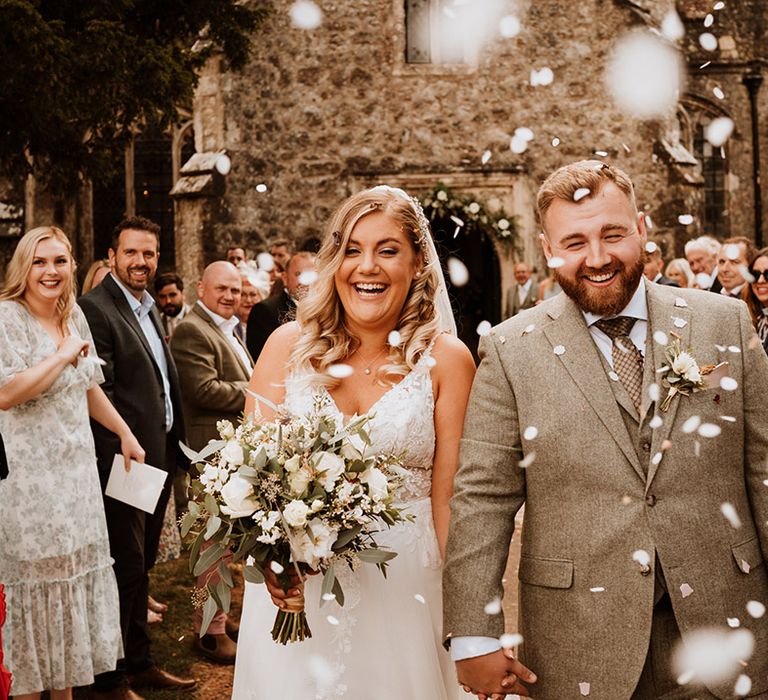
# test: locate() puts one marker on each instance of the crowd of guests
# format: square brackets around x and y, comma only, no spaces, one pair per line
[115,371]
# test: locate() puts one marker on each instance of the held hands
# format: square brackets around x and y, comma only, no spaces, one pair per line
[131,449]
[286,585]
[71,347]
[493,676]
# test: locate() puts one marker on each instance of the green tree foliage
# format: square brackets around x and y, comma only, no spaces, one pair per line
[76,76]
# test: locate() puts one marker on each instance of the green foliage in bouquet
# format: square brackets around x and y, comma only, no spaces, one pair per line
[296,494]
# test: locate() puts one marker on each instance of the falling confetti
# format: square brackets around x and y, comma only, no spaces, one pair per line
[601,154]
[731,515]
[509,641]
[308,277]
[651,247]
[584,688]
[306,15]
[685,590]
[419,598]
[554,262]
[718,93]
[702,280]
[692,424]
[518,145]
[332,620]
[654,392]
[645,74]
[527,461]
[261,188]
[613,376]
[457,272]
[597,589]
[559,350]
[743,685]
[734,622]
[509,26]
[531,432]
[529,329]
[340,371]
[580,193]
[756,609]
[709,20]
[709,430]
[545,76]
[732,251]
[680,302]
[679,322]
[494,607]
[729,384]
[745,566]
[718,6]
[708,41]
[265,262]
[223,164]
[555,142]
[657,459]
[329,596]
[685,219]
[641,557]
[672,27]
[661,337]
[718,131]
[656,422]
[730,419]
[394,339]
[486,157]
[484,328]
[734,348]
[276,567]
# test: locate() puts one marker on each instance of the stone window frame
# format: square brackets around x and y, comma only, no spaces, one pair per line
[403,68]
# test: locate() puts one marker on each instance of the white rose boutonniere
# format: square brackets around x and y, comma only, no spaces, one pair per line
[682,374]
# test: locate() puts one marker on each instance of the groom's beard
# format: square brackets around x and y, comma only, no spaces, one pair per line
[607,301]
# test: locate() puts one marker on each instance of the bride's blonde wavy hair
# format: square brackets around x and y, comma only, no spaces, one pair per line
[325,339]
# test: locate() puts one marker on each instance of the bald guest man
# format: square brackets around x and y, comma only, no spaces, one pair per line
[214,368]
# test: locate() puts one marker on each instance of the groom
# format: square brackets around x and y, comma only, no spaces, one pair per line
[642,526]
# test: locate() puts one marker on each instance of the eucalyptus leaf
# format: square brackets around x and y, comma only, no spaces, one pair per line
[376,556]
[345,537]
[209,610]
[260,459]
[225,574]
[212,527]
[208,558]
[224,595]
[253,574]
[338,592]
[189,453]
[327,586]
[195,551]
[210,504]
[187,522]
[212,447]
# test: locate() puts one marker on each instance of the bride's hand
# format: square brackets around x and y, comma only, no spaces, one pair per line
[276,590]
[493,676]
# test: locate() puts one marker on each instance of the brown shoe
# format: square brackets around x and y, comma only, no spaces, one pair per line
[216,647]
[232,628]
[115,694]
[157,679]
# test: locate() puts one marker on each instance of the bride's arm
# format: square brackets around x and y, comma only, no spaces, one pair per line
[452,379]
[268,378]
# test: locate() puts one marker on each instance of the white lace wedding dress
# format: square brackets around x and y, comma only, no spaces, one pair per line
[385,642]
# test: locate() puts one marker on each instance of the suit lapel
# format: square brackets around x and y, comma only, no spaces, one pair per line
[666,316]
[582,361]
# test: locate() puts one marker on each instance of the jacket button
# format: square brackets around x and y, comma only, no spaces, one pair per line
[646,447]
[650,500]
[645,569]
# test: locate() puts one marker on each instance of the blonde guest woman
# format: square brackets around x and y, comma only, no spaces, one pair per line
[63,611]
[680,271]
[377,272]
[96,273]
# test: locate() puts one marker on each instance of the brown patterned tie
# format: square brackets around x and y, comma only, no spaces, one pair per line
[627,360]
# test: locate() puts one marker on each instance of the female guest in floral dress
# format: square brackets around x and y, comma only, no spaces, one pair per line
[62,603]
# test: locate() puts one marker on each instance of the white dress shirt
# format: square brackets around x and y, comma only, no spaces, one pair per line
[735,292]
[522,291]
[637,308]
[142,309]
[227,327]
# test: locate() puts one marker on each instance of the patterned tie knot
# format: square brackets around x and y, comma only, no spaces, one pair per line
[616,327]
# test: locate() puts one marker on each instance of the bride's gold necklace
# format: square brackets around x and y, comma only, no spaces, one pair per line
[367,370]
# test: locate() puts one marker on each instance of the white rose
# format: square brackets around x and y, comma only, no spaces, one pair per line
[232,453]
[316,505]
[693,374]
[329,467]
[291,465]
[295,513]
[298,481]
[314,544]
[682,363]
[353,447]
[226,429]
[236,495]
[376,481]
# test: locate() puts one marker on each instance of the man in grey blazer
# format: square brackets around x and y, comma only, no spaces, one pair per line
[524,293]
[214,368]
[643,526]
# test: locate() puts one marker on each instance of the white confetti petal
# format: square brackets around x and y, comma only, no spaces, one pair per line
[457,272]
[743,685]
[261,188]
[597,589]
[732,251]
[708,41]
[718,93]
[276,567]
[527,461]
[419,598]
[559,350]
[394,339]
[494,607]
[685,219]
[584,688]
[645,74]
[509,26]
[672,27]
[731,515]
[509,641]
[679,322]
[685,590]
[709,430]
[657,458]
[554,262]
[745,566]
[655,422]
[340,370]
[734,348]
[729,419]
[529,329]
[714,655]
[486,157]
[718,6]
[692,424]
[756,609]
[680,302]
[332,620]
[650,247]
[661,337]
[654,392]
[601,154]
[641,557]
[484,328]
[308,277]
[524,132]
[613,376]
[686,677]
[581,193]
[306,15]
[430,362]
[531,432]
[555,142]
[518,145]
[719,130]
[734,622]
[709,20]
[729,384]
[329,596]
[265,262]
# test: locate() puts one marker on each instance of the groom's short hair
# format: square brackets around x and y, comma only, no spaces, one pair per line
[588,175]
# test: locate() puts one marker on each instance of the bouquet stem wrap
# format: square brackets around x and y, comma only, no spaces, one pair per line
[291,624]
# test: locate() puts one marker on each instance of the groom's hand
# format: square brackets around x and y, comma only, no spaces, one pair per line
[494,675]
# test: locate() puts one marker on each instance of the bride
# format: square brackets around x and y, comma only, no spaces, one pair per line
[379,307]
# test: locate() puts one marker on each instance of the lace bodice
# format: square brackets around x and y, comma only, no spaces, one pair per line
[402,422]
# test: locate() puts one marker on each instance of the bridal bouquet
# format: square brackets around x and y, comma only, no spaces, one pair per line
[294,494]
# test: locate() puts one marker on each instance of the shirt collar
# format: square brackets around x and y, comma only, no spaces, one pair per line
[226,324]
[527,285]
[140,308]
[636,308]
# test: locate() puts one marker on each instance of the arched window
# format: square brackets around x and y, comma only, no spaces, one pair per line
[433,32]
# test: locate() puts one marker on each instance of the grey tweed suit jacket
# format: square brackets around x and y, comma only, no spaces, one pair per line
[593,496]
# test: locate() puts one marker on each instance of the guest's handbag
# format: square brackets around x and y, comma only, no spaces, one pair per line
[5,676]
[3,466]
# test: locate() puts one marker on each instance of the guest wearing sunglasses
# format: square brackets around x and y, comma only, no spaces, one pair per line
[756,294]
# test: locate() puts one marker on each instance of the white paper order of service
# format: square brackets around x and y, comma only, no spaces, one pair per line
[141,487]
